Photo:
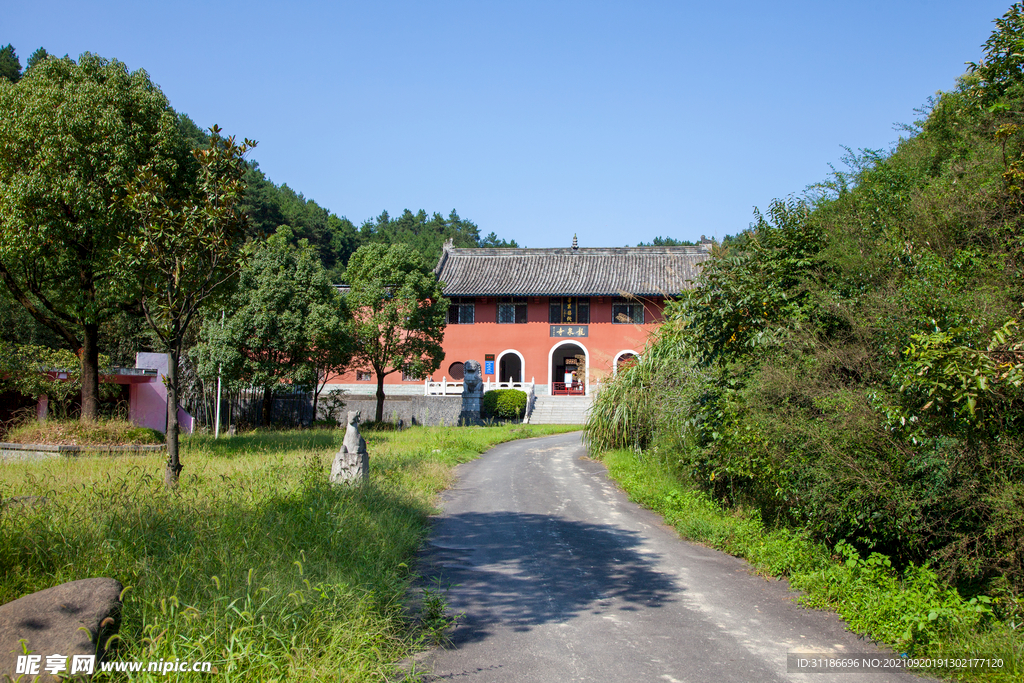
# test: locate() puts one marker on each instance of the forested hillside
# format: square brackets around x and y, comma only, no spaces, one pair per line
[270,206]
[851,365]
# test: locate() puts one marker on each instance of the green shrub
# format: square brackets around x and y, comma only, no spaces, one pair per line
[382,426]
[504,404]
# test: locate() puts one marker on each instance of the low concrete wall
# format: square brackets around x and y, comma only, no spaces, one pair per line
[36,451]
[409,410]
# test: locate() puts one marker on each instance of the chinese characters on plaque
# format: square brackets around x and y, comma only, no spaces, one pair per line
[568,330]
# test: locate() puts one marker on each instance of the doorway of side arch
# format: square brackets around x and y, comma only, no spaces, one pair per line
[510,368]
[569,370]
[625,360]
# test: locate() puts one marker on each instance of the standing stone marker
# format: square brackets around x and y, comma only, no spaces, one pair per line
[352,463]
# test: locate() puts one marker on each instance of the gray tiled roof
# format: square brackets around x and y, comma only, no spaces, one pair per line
[569,272]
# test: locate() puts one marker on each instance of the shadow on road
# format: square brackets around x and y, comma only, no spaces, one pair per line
[524,570]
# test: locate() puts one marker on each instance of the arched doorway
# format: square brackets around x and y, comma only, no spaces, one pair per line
[511,366]
[624,359]
[568,368]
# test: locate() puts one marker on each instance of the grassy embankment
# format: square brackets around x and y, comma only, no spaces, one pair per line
[913,611]
[255,563]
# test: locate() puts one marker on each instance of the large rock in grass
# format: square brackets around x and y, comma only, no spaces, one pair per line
[73,618]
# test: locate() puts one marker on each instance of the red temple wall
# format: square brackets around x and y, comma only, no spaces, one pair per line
[533,341]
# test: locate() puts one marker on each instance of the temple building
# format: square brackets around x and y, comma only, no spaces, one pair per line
[561,320]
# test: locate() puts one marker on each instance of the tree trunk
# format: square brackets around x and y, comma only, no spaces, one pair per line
[173,461]
[380,397]
[90,373]
[268,404]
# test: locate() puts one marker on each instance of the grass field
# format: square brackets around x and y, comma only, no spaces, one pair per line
[255,562]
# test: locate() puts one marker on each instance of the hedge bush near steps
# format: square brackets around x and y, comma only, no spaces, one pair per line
[504,404]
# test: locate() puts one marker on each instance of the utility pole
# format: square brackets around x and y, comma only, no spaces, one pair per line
[216,426]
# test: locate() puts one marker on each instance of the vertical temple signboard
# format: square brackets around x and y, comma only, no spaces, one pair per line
[489,364]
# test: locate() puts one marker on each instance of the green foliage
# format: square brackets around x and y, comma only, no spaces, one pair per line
[335,238]
[35,370]
[10,65]
[191,246]
[1002,66]
[283,326]
[753,295]
[667,242]
[425,234]
[504,404]
[910,610]
[647,402]
[398,311]
[850,367]
[433,614]
[36,57]
[269,206]
[969,388]
[196,137]
[492,241]
[73,137]
[188,250]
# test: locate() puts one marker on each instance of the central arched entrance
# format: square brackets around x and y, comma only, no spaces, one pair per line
[568,367]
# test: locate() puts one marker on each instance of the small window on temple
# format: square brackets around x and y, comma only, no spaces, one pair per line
[512,310]
[569,310]
[364,376]
[461,311]
[627,312]
[457,371]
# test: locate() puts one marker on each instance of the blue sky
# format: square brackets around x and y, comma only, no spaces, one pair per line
[538,120]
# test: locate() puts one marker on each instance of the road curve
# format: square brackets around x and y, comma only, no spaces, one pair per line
[560,578]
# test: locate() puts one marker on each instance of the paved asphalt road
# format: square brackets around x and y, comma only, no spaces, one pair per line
[562,579]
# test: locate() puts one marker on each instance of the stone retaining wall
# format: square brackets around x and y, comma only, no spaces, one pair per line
[409,410]
[38,451]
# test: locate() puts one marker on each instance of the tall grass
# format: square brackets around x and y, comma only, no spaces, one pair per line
[648,403]
[255,562]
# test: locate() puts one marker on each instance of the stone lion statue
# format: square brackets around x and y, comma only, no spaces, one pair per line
[352,463]
[472,377]
[354,441]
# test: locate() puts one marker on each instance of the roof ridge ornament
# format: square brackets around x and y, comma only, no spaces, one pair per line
[575,244]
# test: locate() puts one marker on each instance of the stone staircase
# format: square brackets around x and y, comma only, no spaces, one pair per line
[562,410]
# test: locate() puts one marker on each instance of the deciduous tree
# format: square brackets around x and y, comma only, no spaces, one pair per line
[72,138]
[398,313]
[284,325]
[190,248]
